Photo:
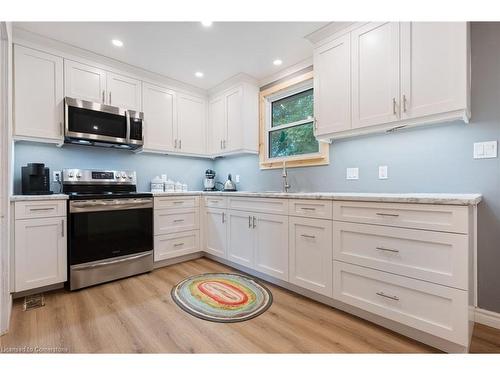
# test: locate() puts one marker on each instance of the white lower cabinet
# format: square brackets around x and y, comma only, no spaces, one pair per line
[176,244]
[216,231]
[240,238]
[39,252]
[271,245]
[310,245]
[432,308]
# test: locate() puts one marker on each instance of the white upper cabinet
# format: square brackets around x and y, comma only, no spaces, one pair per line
[234,120]
[433,68]
[332,86]
[375,74]
[123,91]
[38,94]
[84,82]
[217,120]
[401,75]
[160,118]
[191,124]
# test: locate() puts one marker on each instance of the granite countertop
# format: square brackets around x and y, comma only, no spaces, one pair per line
[422,198]
[48,197]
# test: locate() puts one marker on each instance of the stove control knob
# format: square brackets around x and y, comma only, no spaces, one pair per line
[124,175]
[79,175]
[117,176]
[130,177]
[70,174]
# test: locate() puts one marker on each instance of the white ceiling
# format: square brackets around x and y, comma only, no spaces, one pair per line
[179,49]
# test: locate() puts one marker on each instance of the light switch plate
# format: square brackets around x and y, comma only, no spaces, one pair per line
[352,173]
[485,150]
[382,172]
[237,178]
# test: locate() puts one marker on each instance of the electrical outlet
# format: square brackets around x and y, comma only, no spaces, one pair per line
[352,173]
[237,178]
[56,176]
[382,172]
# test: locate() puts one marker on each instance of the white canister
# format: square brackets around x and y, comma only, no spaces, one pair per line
[169,186]
[157,185]
[184,187]
[178,186]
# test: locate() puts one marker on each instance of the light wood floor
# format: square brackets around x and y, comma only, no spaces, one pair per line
[137,315]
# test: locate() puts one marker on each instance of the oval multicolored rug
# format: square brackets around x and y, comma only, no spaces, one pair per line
[222,297]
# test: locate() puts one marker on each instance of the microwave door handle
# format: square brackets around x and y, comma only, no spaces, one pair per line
[127,116]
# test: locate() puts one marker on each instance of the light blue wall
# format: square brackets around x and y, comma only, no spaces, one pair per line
[188,170]
[430,159]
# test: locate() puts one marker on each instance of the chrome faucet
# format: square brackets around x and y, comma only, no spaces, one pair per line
[284,174]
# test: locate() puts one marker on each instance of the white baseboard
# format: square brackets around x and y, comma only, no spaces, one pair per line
[486,317]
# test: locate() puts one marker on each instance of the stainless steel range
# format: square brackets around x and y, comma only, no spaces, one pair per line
[110,226]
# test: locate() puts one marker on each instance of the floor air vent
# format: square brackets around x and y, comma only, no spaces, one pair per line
[34,301]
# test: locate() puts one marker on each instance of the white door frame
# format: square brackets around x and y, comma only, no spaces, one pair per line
[5,170]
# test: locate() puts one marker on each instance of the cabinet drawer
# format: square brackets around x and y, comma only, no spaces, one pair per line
[264,205]
[176,220]
[39,209]
[435,309]
[173,245]
[215,202]
[432,256]
[310,208]
[176,202]
[419,216]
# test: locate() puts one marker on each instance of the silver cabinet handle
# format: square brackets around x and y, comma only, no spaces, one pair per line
[103,96]
[404,103]
[61,127]
[42,209]
[110,97]
[180,143]
[223,217]
[175,143]
[178,202]
[382,294]
[385,214]
[393,106]
[249,221]
[308,208]
[178,220]
[254,222]
[221,144]
[308,236]
[62,228]
[315,124]
[179,244]
[387,249]
[224,143]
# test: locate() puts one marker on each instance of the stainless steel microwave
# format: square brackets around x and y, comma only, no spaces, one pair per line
[89,123]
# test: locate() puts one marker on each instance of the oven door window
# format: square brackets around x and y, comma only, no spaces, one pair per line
[107,234]
[87,121]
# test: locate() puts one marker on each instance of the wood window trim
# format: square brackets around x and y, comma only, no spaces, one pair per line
[321,158]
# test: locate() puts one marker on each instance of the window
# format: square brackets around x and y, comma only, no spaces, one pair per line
[287,125]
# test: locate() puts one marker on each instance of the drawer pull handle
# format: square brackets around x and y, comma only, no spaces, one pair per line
[386,214]
[387,249]
[308,208]
[254,222]
[382,294]
[178,220]
[42,209]
[179,244]
[308,236]
[214,201]
[178,202]
[249,221]
[223,218]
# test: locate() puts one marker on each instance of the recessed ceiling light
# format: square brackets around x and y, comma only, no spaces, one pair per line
[117,43]
[277,62]
[206,23]
[199,74]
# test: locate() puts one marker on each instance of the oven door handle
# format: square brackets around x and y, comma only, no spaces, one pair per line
[77,207]
[110,262]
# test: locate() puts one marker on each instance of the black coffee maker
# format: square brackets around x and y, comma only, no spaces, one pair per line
[35,179]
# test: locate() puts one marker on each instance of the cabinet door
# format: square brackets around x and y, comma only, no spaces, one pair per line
[217,119]
[84,82]
[271,245]
[123,91]
[375,74]
[40,252]
[240,238]
[216,230]
[38,94]
[234,121]
[332,86]
[433,68]
[191,125]
[159,118]
[311,254]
